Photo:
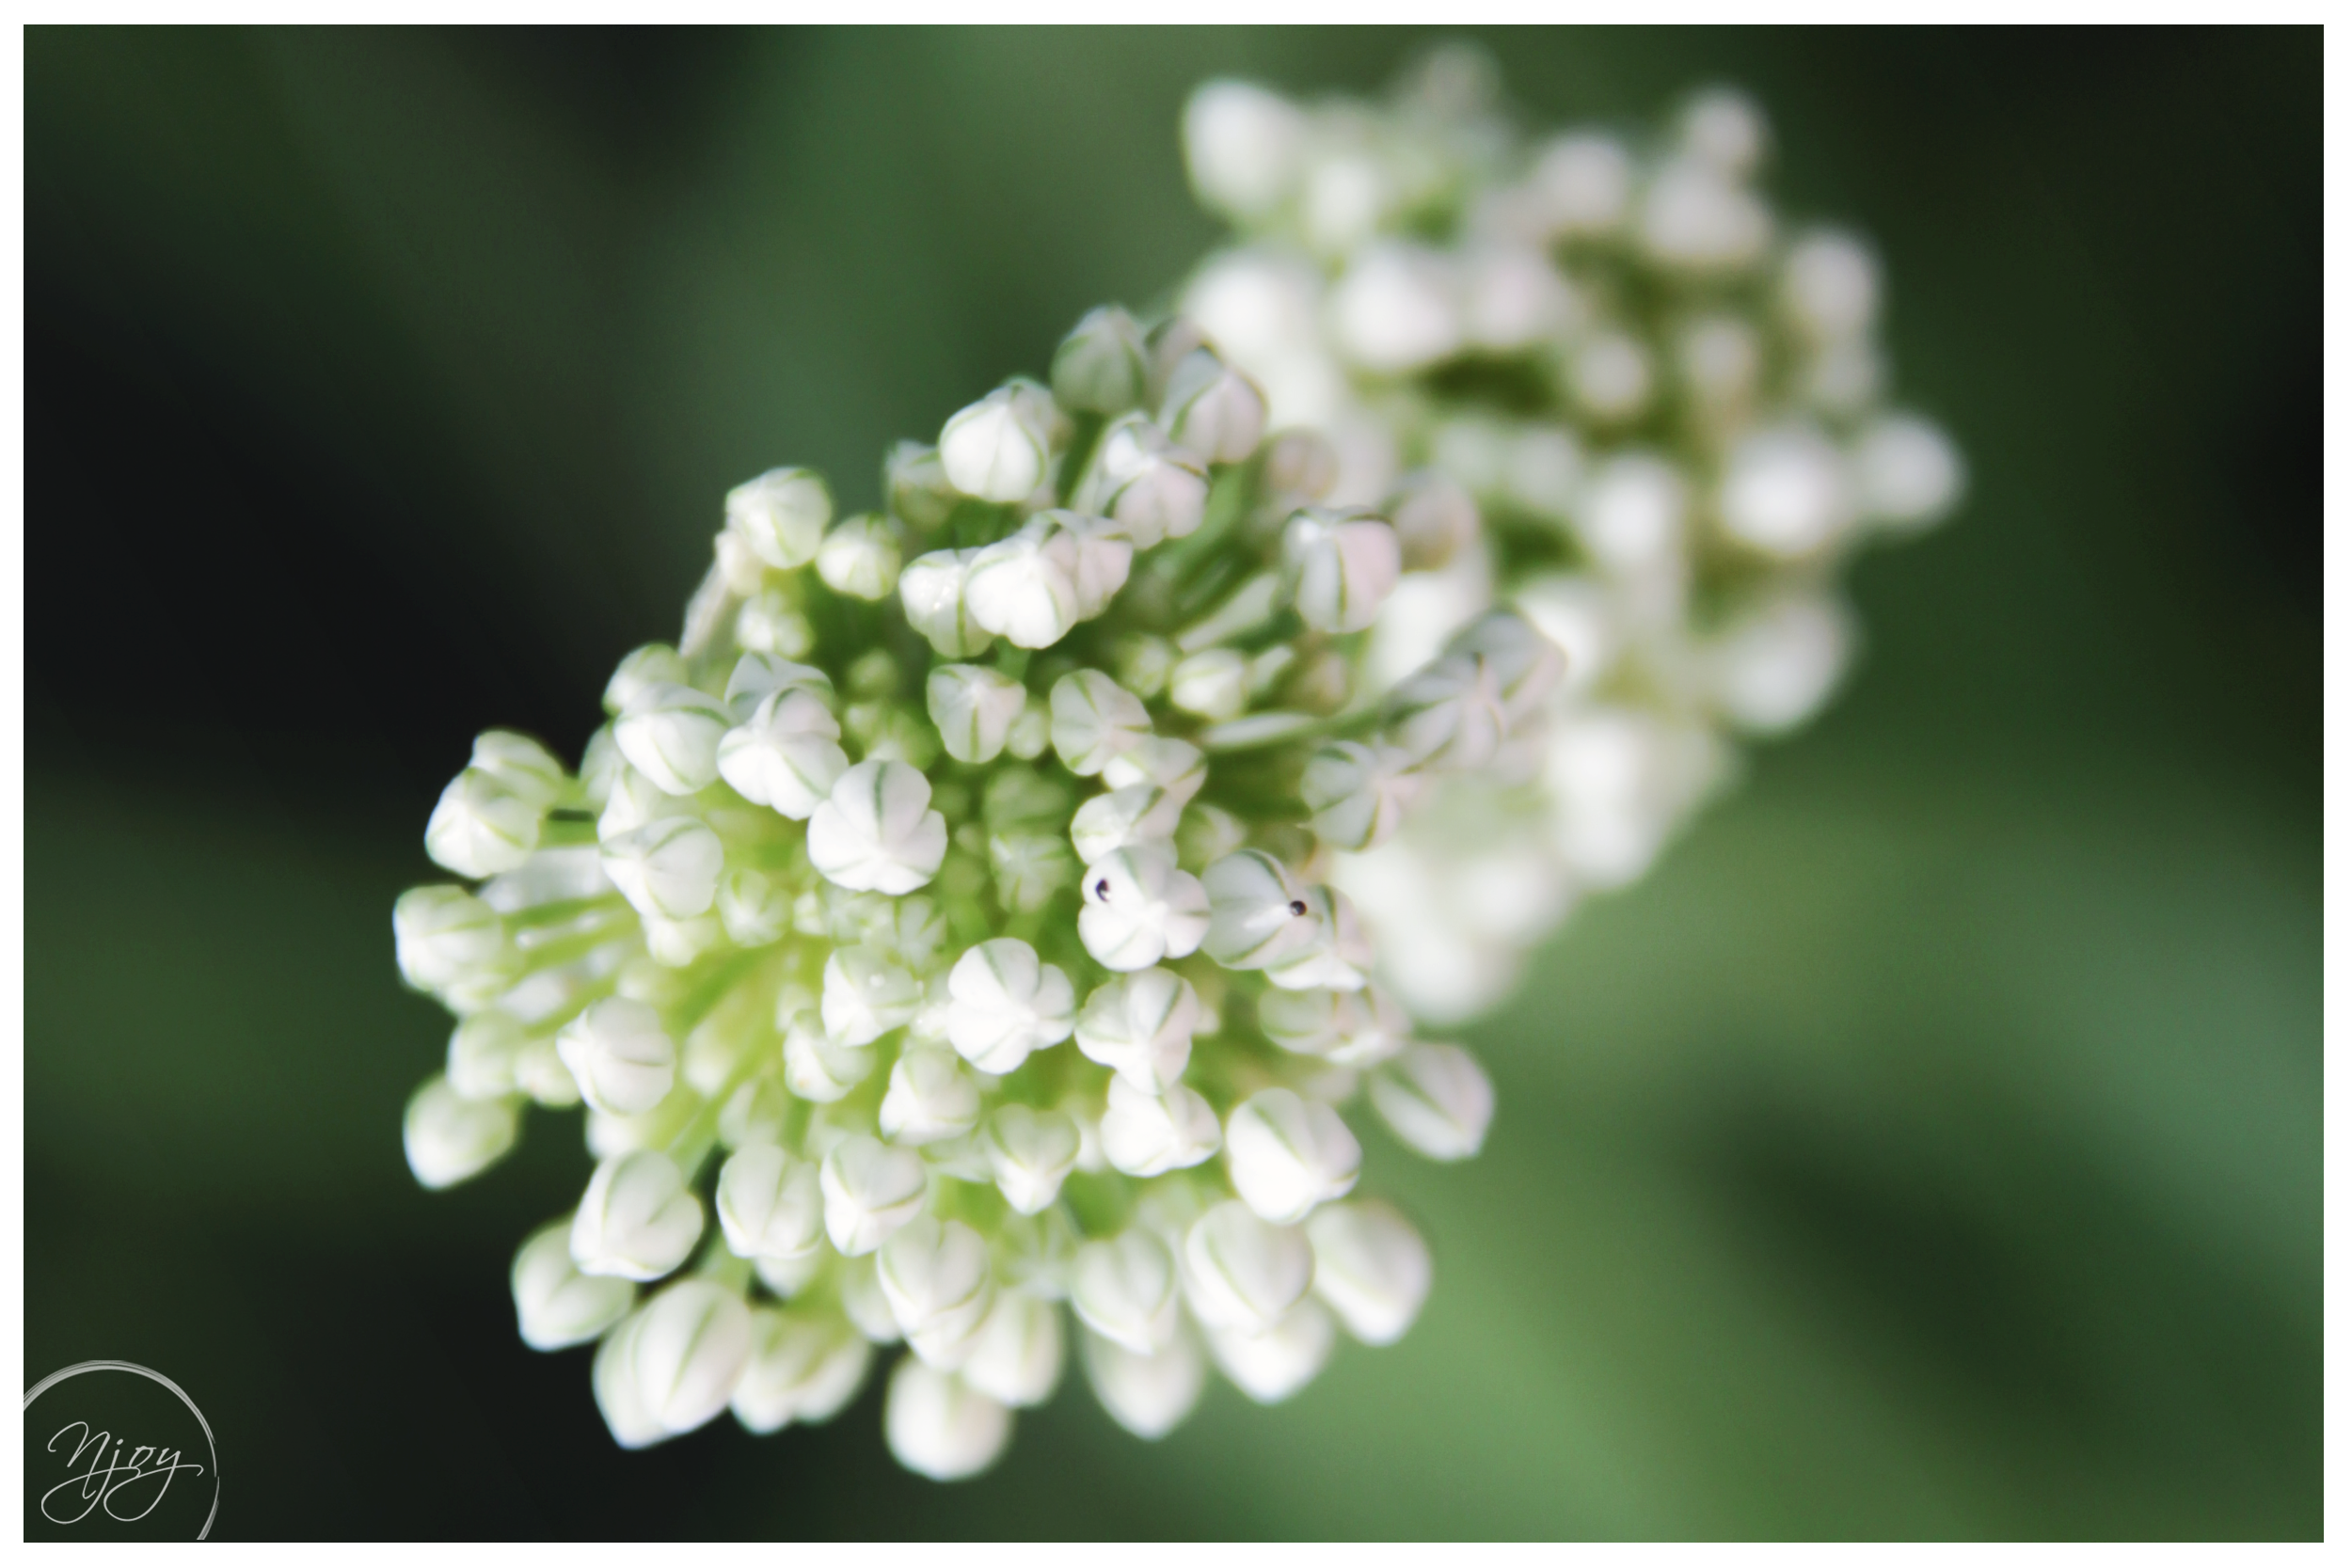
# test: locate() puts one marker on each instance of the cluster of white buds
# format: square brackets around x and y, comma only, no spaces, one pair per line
[1007,898]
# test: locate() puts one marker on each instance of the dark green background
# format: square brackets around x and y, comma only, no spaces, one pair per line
[1932,1146]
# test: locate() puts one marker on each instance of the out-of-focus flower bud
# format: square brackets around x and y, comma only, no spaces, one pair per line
[555,1305]
[781,516]
[974,707]
[1774,668]
[521,764]
[1174,767]
[1371,1267]
[1609,377]
[1017,1358]
[448,1138]
[1343,567]
[931,1098]
[1350,1028]
[770,623]
[803,1366]
[1583,184]
[1906,472]
[1433,516]
[875,831]
[481,826]
[1394,312]
[1095,720]
[1301,465]
[1287,1154]
[1031,1152]
[870,1189]
[1339,954]
[860,557]
[1139,814]
[1004,1004]
[938,1426]
[769,1204]
[1829,285]
[1272,1365]
[1148,1134]
[484,1050]
[655,664]
[936,1278]
[1141,1026]
[1099,368]
[915,486]
[445,937]
[1723,126]
[1242,1273]
[1448,715]
[1143,481]
[933,589]
[1212,683]
[668,868]
[637,1219]
[1211,410]
[816,1068]
[674,1364]
[1359,793]
[671,735]
[1124,1289]
[1513,298]
[1140,909]
[1149,1395]
[1256,915]
[1784,492]
[754,910]
[1436,1100]
[1695,219]
[999,448]
[1242,147]
[619,1055]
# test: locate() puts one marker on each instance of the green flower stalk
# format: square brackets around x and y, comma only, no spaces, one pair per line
[1023,894]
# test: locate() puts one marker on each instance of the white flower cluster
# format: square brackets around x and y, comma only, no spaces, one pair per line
[965,912]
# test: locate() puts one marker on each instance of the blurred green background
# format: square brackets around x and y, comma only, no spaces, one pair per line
[1931,1147]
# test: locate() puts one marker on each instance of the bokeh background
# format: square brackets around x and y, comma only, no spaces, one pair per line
[1931,1147]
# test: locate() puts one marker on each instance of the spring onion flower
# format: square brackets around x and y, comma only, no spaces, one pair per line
[1006,913]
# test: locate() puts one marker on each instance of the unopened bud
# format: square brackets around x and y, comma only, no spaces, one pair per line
[618,1053]
[1258,916]
[1359,793]
[655,664]
[1099,369]
[668,868]
[1004,1003]
[555,1305]
[936,1276]
[1434,518]
[1148,1134]
[1025,588]
[1784,492]
[875,831]
[819,1069]
[1139,814]
[1141,1026]
[932,589]
[1140,909]
[1349,1028]
[521,764]
[866,995]
[1242,1273]
[1149,1395]
[1242,147]
[637,1219]
[1031,1153]
[754,910]
[1151,487]
[1371,1267]
[998,448]
[787,756]
[938,1426]
[1272,1365]
[870,1190]
[445,936]
[803,1367]
[1287,1154]
[1124,1288]
[674,1364]
[1343,567]
[1448,715]
[769,1204]
[1095,720]
[1583,184]
[1436,1100]
[860,557]
[448,1138]
[931,1098]
[1906,472]
[1829,285]
[481,826]
[782,515]
[770,623]
[484,1050]
[974,707]
[1175,767]
[1017,1358]
[915,484]
[671,735]
[1394,312]
[1211,410]
[1212,683]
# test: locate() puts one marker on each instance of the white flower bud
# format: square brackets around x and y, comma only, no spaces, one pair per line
[1101,552]
[1151,487]
[755,1113]
[1609,377]
[1723,126]
[999,448]
[1243,147]
[1140,909]
[1209,834]
[637,1219]
[1349,1028]
[860,557]
[781,516]
[1542,468]
[931,1098]
[1149,1395]
[1176,767]
[915,484]
[788,754]
[521,764]
[1784,492]
[938,1426]
[1017,1358]
[1359,793]
[974,709]
[655,664]
[1436,1100]
[1723,360]
[1124,1289]
[1029,867]
[1695,219]
[1148,1134]
[1843,379]
[671,735]
[481,826]
[1829,285]
[1583,184]
[932,589]
[1099,369]
[1513,298]
[445,937]
[769,624]
[803,1368]
[669,868]
[1523,664]
[540,1072]
[633,802]
[759,675]
[1212,683]
[1141,1026]
[819,1069]
[1906,471]
[1302,464]
[1025,588]
[1434,518]
[555,1305]
[1371,1267]
[1286,1155]
[875,831]
[1257,916]
[769,1204]
[1394,312]
[1031,1153]
[1211,409]
[1241,1272]
[1271,1365]
[674,1364]
[1774,668]
[754,910]
[1005,1005]
[936,1278]
[870,1189]
[1448,715]
[448,1138]
[1095,720]
[1139,814]
[866,995]
[1343,567]
[484,1051]
[619,1055]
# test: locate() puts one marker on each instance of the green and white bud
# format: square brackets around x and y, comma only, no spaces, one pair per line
[819,1069]
[1025,588]
[634,800]
[481,826]
[1341,567]
[1004,1003]
[757,677]
[637,1219]
[671,735]
[803,1367]
[1372,1268]
[1258,916]
[974,709]
[931,1098]
[1772,669]
[1436,1100]
[769,623]
[668,869]
[1785,492]
[860,557]
[938,1426]
[1000,448]
[1359,793]
[1029,867]
[1211,410]
[1906,472]
[1139,814]
[915,485]
[1611,378]
[450,1138]
[522,765]
[1449,715]
[1395,312]
[1829,286]
[1212,683]
[754,910]
[1695,218]
[787,756]
[1101,552]
[556,1305]
[1175,767]
[858,1281]
[1141,1027]
[1095,720]
[866,995]
[1286,1155]
[781,516]
[674,1364]
[1140,909]
[1348,1028]
[1241,1272]
[1149,1395]
[932,589]
[1099,367]
[1244,148]
[444,939]
[769,1205]
[936,1276]
[1125,1290]
[870,1189]
[1434,518]
[755,1113]
[484,1051]
[1582,184]
[875,831]
[618,1053]
[1149,1134]
[1017,1358]
[1145,482]
[1030,1152]
[655,664]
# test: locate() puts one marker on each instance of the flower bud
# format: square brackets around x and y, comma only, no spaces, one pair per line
[1029,868]
[936,1278]
[674,1364]
[671,735]
[1286,1155]
[1140,814]
[1583,183]
[1774,668]
[866,995]
[803,1366]
[1151,487]
[1017,1358]
[1031,1153]
[999,448]
[770,623]
[1095,720]
[1243,147]
[754,910]
[1524,664]
[668,868]
[1124,1289]
[1241,1272]
[655,664]
[1025,588]
[1141,1026]
[860,557]
[1695,218]
[1829,285]
[1434,518]
[769,1204]
[1395,310]
[521,764]
[1148,1134]
[1343,567]
[481,826]
[637,1219]
[634,800]
[974,709]
[1004,1004]
[1610,378]
[938,1426]
[450,1138]
[1149,1395]
[876,832]
[555,1305]
[1272,1366]
[1436,1100]
[932,589]
[1099,369]
[1257,916]
[931,1098]
[816,1068]
[445,937]
[620,1057]
[1371,1267]
[484,1050]
[1784,492]
[1176,767]
[757,677]
[1211,410]
[781,516]
[1349,1028]
[1140,909]
[755,1113]
[1101,555]
[1906,472]
[787,756]
[1212,683]
[915,485]
[1448,715]
[1358,793]
[870,1190]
